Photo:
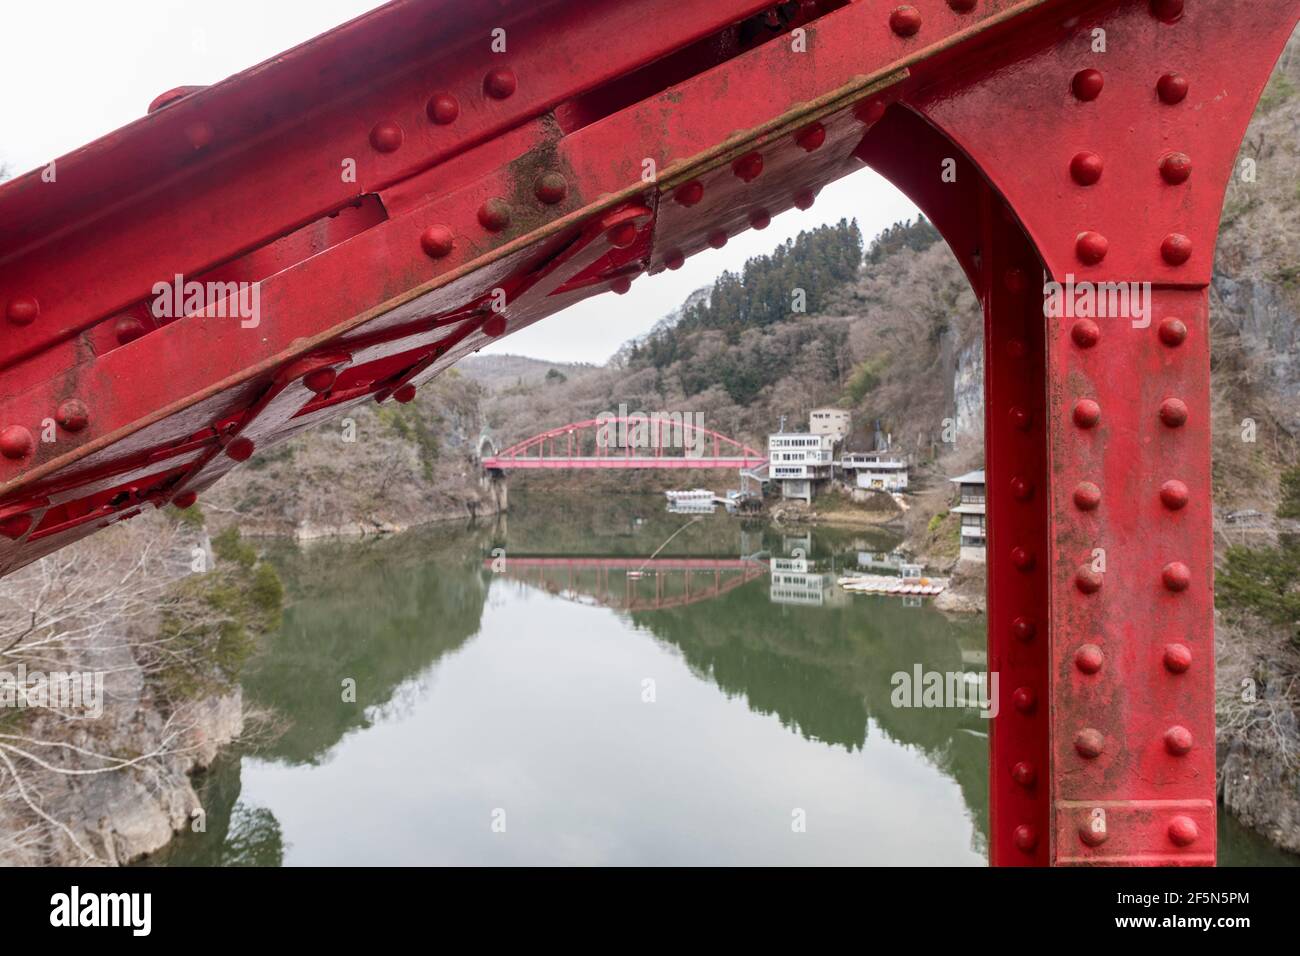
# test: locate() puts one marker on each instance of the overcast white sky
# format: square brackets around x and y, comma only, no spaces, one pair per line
[77,69]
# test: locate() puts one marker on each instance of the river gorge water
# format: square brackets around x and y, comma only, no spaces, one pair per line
[539,689]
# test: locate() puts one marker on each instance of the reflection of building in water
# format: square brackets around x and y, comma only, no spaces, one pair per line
[793,582]
[970,492]
[881,560]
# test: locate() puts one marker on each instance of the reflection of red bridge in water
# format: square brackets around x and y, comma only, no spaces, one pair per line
[701,579]
[628,442]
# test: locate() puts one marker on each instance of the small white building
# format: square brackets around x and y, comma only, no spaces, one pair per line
[970,505]
[801,462]
[836,422]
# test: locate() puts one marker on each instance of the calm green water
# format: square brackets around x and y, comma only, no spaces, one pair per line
[561,710]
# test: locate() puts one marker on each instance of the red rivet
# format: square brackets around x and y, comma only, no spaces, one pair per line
[185,499]
[495,327]
[16,442]
[690,193]
[1172,88]
[1175,168]
[437,241]
[870,112]
[127,329]
[1016,348]
[1089,743]
[387,137]
[748,167]
[1023,773]
[1182,831]
[1091,837]
[552,188]
[23,310]
[1087,496]
[1176,576]
[1022,490]
[962,6]
[1173,412]
[494,215]
[1089,658]
[1167,10]
[1176,249]
[320,380]
[500,83]
[1020,419]
[241,449]
[1023,699]
[199,134]
[812,137]
[718,239]
[623,235]
[1022,558]
[1087,85]
[760,219]
[1026,838]
[1086,333]
[1014,280]
[1023,630]
[1086,413]
[15,526]
[1091,247]
[442,108]
[1178,741]
[1177,658]
[1172,332]
[72,415]
[905,21]
[621,286]
[1173,494]
[1085,168]
[1087,580]
[405,395]
[674,260]
[805,199]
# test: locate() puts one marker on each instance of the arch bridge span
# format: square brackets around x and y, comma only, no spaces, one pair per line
[621,442]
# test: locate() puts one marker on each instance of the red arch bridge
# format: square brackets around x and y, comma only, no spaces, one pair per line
[353,216]
[663,441]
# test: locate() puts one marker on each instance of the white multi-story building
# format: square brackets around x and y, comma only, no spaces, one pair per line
[801,462]
[875,473]
[970,505]
[836,422]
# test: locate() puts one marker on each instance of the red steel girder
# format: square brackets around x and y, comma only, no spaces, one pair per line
[402,194]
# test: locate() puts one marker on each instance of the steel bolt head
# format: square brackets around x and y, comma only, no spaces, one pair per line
[623,235]
[320,380]
[1172,88]
[621,286]
[760,219]
[1089,658]
[552,188]
[241,449]
[1173,412]
[674,259]
[437,241]
[1175,168]
[442,108]
[1172,332]
[1087,580]
[1022,558]
[127,329]
[748,167]
[1020,419]
[16,442]
[1176,576]
[1089,743]
[500,83]
[1087,496]
[495,327]
[1087,85]
[1086,333]
[812,137]
[1182,831]
[1177,658]
[718,239]
[1024,700]
[1023,630]
[72,415]
[1085,168]
[405,395]
[805,199]
[1087,413]
[690,193]
[1023,773]
[1026,838]
[1176,249]
[1091,247]
[1167,10]
[870,112]
[1014,280]
[905,21]
[1178,741]
[387,137]
[23,310]
[494,215]
[1021,489]
[1173,494]
[185,499]
[1090,837]
[962,6]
